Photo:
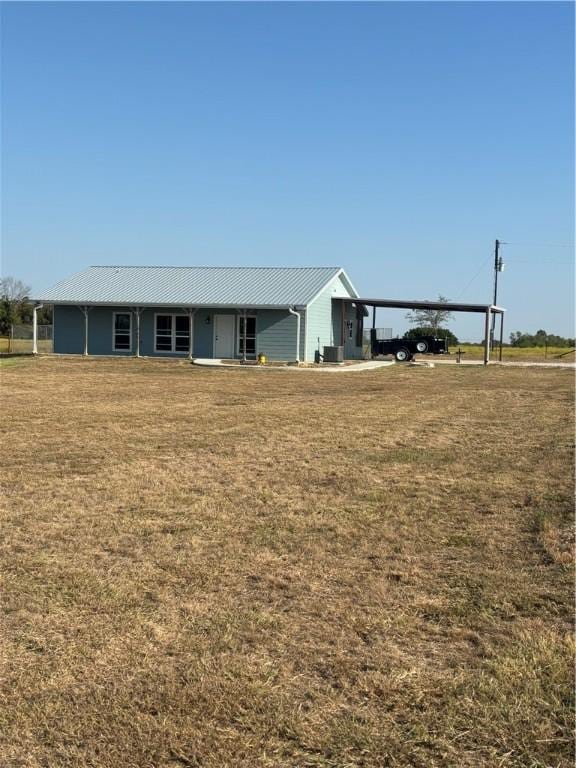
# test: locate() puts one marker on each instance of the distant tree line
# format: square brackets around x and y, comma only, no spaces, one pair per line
[539,339]
[16,307]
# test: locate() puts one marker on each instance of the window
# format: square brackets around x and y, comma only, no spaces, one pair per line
[181,333]
[163,333]
[250,336]
[172,333]
[122,332]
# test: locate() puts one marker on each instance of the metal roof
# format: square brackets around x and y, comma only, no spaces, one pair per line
[451,306]
[193,286]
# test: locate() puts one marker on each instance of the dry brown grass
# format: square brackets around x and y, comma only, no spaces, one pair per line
[250,569]
[518,354]
[23,346]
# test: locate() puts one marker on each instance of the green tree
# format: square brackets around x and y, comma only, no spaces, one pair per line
[15,306]
[430,318]
[45,315]
[441,333]
[7,316]
[539,339]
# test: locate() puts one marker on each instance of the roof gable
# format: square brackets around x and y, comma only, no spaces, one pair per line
[192,286]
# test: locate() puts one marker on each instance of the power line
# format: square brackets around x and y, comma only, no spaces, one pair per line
[539,261]
[513,260]
[483,266]
[542,245]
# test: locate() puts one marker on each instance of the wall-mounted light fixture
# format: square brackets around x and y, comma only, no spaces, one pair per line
[207,320]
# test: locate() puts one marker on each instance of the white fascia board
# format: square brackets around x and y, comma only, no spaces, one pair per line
[353,290]
[178,305]
[340,273]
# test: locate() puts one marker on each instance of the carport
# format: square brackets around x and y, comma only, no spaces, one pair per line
[488,310]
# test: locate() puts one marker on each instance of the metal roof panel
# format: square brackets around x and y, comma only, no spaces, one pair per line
[192,286]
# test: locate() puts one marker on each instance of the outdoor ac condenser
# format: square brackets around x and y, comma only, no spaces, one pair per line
[333,354]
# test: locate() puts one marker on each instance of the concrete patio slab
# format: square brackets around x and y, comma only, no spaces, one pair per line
[363,365]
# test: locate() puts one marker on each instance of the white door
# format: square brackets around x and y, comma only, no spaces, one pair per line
[224,336]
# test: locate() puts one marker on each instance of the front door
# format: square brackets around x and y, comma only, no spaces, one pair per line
[224,336]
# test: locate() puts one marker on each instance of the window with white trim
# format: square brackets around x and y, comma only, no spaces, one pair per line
[250,335]
[122,331]
[172,333]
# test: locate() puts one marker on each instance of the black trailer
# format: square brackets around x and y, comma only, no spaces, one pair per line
[405,349]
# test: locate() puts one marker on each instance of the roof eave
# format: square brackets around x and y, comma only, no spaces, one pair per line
[162,304]
[444,305]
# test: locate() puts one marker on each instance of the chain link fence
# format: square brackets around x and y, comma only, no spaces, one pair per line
[381,335]
[20,339]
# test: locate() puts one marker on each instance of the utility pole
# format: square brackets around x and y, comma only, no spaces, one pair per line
[498,267]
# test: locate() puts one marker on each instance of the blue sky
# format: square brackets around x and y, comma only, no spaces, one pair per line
[395,139]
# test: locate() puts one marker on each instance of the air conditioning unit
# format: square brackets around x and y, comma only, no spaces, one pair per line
[333,354]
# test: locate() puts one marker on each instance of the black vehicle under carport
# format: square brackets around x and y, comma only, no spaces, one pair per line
[405,349]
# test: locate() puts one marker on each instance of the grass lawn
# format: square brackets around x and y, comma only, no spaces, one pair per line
[8,362]
[23,345]
[240,569]
[519,354]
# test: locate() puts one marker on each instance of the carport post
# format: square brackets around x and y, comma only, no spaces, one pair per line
[501,334]
[487,337]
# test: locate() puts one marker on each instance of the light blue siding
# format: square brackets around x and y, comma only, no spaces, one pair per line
[275,332]
[100,331]
[68,330]
[324,321]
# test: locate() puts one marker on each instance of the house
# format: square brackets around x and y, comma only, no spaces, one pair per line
[285,313]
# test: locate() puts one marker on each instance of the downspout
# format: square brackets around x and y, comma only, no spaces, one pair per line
[138,311]
[85,310]
[35,328]
[297,316]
